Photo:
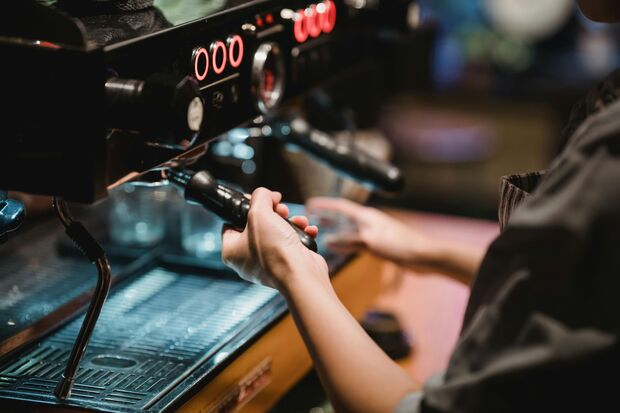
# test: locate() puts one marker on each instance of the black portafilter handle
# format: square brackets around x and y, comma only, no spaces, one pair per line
[343,156]
[230,205]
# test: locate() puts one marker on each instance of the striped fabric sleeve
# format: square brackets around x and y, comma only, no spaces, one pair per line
[514,189]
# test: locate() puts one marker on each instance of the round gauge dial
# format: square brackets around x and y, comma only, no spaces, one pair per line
[267,77]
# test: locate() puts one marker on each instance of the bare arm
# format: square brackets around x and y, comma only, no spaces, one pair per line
[392,240]
[460,262]
[356,373]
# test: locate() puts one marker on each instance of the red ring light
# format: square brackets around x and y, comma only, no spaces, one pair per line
[219,45]
[312,16]
[201,75]
[301,27]
[232,41]
[329,22]
[322,9]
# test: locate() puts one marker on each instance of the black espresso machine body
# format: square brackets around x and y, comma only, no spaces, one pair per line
[65,135]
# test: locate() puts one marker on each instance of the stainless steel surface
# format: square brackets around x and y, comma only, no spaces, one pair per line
[155,331]
[35,283]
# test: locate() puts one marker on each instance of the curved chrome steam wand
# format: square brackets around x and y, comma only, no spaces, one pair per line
[91,248]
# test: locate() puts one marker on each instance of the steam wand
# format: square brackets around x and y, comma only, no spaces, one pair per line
[91,248]
[230,205]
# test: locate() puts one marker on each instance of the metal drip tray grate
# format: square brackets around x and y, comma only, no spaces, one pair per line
[33,285]
[153,332]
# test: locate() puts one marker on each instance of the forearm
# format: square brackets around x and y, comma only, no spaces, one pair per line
[357,375]
[455,261]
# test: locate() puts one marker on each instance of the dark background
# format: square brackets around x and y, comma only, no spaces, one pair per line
[494,103]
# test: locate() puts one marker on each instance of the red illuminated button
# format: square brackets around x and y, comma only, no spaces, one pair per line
[312,17]
[300,29]
[235,50]
[200,61]
[329,21]
[50,45]
[218,54]
[269,18]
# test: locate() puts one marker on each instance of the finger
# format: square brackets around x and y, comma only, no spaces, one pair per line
[277,197]
[282,210]
[261,202]
[301,221]
[350,208]
[312,230]
[351,241]
[231,243]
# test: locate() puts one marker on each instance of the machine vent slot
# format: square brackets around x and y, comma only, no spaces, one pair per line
[6,381]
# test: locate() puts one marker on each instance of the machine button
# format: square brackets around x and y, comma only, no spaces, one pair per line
[219,53]
[200,63]
[235,50]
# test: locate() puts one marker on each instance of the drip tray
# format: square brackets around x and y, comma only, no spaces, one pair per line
[159,334]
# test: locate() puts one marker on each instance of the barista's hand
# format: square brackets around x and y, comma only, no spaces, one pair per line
[377,232]
[390,239]
[269,251]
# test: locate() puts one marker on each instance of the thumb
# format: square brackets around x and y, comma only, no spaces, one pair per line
[262,201]
[232,243]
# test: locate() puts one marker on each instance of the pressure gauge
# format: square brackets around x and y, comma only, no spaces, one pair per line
[267,77]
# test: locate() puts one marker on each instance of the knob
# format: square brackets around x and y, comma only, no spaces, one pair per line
[268,76]
[166,109]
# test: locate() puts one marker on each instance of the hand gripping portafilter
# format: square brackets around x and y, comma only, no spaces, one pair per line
[230,205]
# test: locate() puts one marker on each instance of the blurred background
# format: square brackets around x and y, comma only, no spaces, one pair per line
[503,76]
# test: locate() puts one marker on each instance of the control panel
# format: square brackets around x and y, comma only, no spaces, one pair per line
[246,65]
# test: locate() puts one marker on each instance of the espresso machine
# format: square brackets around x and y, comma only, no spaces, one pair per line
[108,94]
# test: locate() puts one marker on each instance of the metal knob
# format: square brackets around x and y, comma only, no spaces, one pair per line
[166,109]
